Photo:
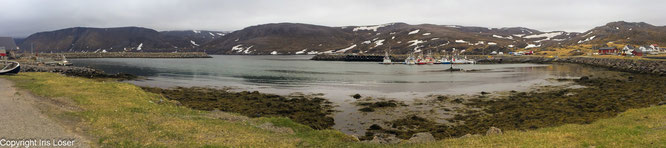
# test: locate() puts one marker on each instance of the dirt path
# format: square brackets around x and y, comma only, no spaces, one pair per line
[21,119]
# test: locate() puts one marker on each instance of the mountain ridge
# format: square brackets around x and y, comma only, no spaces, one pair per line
[300,38]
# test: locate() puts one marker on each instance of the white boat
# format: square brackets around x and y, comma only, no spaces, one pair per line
[445,60]
[10,68]
[387,58]
[463,61]
[411,60]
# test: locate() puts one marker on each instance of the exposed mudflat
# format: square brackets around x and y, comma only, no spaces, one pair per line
[588,99]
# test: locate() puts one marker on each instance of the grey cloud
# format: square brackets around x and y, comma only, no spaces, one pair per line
[20,18]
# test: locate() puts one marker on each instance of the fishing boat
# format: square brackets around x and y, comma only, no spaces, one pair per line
[462,61]
[420,60]
[445,60]
[387,58]
[410,60]
[429,59]
[9,68]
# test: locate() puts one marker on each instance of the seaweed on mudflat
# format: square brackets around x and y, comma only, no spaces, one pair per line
[309,111]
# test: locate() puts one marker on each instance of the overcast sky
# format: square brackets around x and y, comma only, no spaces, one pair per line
[20,18]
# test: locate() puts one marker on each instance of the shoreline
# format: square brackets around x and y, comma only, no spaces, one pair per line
[70,55]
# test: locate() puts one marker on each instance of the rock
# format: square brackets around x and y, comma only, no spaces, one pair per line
[385,139]
[494,131]
[421,137]
[355,138]
[357,96]
[662,103]
[469,136]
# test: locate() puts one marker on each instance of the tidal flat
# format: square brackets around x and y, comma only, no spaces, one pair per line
[602,96]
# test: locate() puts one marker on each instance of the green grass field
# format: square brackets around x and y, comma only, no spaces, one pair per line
[115,114]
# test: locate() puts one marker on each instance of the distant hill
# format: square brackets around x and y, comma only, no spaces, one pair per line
[623,33]
[295,38]
[131,39]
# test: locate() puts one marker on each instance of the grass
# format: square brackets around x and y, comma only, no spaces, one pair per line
[118,114]
[123,115]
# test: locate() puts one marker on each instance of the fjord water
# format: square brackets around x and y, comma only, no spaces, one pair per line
[335,79]
[286,74]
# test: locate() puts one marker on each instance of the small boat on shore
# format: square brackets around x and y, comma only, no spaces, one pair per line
[10,68]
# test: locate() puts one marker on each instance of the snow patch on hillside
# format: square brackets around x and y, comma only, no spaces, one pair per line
[414,32]
[415,42]
[590,33]
[492,43]
[502,37]
[373,28]
[546,35]
[586,40]
[274,53]
[345,49]
[139,47]
[194,43]
[313,52]
[532,46]
[302,51]
[427,33]
[461,41]
[240,49]
[196,31]
[379,42]
[366,42]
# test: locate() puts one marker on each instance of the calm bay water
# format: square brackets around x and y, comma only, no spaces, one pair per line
[297,73]
[336,80]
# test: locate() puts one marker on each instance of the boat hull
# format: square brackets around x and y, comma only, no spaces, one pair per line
[11,71]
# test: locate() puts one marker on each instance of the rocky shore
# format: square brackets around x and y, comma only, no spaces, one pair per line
[75,71]
[603,95]
[657,67]
[128,55]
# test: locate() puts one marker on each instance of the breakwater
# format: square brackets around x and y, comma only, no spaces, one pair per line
[357,58]
[127,55]
[75,71]
[628,65]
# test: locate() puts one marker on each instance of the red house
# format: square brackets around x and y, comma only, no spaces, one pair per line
[608,50]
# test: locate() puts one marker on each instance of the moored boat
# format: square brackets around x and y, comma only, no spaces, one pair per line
[410,60]
[387,59]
